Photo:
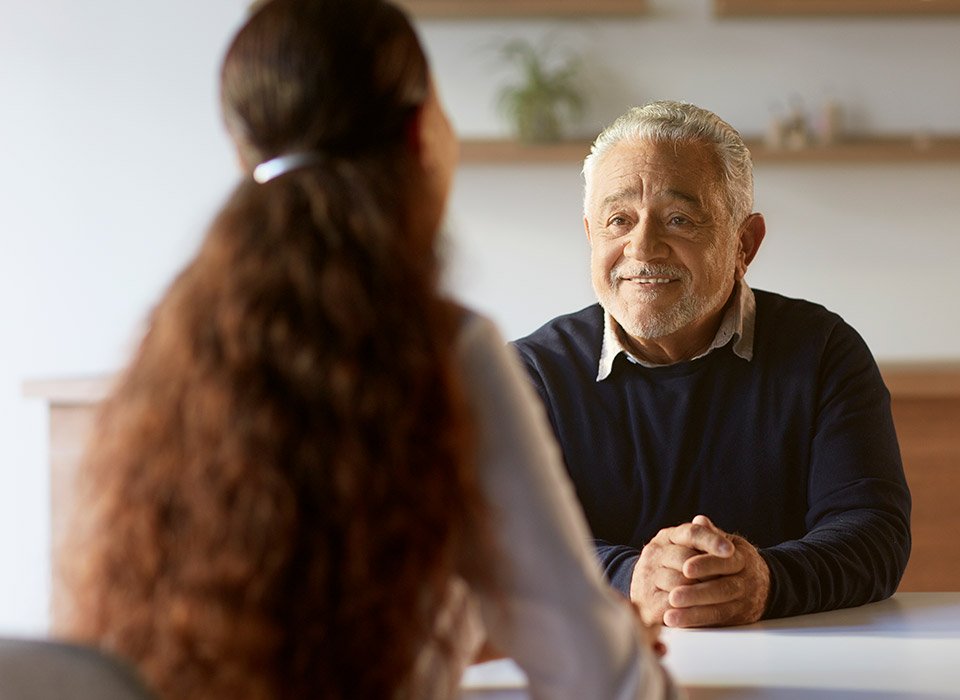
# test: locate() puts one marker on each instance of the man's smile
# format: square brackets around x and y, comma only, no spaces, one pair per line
[649,280]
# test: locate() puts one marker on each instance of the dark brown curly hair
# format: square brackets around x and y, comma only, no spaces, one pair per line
[282,484]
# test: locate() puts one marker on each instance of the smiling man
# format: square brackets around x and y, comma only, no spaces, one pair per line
[733,449]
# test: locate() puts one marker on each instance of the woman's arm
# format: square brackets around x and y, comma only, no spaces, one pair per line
[552,612]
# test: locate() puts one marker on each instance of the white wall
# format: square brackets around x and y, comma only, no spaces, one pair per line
[112,160]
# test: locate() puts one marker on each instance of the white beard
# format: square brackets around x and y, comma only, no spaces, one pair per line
[638,320]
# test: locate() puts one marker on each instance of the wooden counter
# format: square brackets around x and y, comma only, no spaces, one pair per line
[926,410]
[72,405]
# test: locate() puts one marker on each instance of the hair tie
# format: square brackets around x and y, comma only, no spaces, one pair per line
[281,165]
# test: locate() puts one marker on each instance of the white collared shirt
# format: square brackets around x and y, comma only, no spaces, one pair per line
[737,325]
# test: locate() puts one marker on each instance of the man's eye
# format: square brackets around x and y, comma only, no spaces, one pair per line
[678,220]
[617,221]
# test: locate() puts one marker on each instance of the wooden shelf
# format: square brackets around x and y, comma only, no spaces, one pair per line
[504,151]
[810,8]
[522,8]
[897,149]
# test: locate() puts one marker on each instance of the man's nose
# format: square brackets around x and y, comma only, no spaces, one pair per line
[645,242]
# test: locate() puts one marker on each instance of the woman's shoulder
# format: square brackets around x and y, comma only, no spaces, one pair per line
[476,328]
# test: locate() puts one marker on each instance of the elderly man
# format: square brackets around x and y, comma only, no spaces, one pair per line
[733,449]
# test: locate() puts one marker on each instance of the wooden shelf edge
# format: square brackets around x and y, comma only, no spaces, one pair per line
[864,150]
[898,149]
[438,9]
[506,151]
[813,8]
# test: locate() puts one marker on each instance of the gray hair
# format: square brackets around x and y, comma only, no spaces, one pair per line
[679,122]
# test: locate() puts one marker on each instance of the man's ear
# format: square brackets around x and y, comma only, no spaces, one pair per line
[586,228]
[752,231]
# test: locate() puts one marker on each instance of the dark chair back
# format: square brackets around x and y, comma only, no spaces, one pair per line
[34,669]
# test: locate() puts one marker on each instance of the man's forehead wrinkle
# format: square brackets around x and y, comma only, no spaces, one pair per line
[630,191]
[636,187]
[633,172]
[646,173]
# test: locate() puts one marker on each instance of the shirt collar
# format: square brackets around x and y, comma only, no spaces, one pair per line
[737,324]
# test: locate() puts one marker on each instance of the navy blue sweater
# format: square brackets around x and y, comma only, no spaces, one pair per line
[794,450]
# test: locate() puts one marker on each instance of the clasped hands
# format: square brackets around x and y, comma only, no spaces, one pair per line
[697,575]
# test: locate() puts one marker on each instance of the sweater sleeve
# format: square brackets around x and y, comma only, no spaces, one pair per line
[618,562]
[552,614]
[858,516]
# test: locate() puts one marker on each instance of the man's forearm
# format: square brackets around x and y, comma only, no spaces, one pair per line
[854,559]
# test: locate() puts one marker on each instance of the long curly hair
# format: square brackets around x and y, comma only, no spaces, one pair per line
[281,486]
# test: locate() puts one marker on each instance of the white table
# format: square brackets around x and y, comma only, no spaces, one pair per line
[905,647]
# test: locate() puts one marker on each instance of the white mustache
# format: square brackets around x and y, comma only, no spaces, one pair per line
[631,270]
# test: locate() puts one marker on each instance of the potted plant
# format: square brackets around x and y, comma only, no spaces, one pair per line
[546,99]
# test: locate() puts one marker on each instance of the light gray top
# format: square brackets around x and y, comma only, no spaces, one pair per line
[556,616]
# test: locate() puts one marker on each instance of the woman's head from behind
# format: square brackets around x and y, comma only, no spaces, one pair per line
[337,79]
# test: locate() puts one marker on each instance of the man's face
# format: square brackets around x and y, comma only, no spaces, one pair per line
[664,252]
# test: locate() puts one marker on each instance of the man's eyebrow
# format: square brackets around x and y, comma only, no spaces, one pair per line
[620,195]
[684,197]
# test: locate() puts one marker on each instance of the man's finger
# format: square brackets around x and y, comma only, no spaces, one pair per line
[705,538]
[719,590]
[667,579]
[702,616]
[674,556]
[705,566]
[653,607]
[705,521]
